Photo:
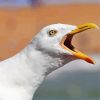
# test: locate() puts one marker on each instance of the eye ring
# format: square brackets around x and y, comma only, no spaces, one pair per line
[52,32]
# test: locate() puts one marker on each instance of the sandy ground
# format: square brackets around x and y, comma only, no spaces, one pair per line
[18,26]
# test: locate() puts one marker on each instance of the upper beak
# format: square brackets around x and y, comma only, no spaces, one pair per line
[66,42]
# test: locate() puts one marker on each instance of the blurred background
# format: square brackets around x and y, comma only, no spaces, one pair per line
[20,20]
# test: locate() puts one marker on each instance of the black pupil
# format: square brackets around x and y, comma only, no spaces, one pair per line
[52,32]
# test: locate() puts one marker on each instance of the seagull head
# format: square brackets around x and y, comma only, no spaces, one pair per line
[56,40]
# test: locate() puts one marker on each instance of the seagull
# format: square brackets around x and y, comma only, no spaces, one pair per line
[50,49]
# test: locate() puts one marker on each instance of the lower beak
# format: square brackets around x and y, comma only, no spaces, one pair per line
[66,42]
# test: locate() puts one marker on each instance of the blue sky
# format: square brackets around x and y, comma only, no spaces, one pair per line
[27,2]
[69,1]
[22,1]
[16,2]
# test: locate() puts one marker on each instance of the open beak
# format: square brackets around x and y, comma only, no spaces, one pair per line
[66,42]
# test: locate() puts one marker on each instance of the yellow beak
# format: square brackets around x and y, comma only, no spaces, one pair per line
[69,36]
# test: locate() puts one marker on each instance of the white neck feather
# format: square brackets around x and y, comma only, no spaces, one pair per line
[22,74]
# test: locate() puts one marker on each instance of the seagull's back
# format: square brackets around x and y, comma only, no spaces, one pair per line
[15,76]
[10,79]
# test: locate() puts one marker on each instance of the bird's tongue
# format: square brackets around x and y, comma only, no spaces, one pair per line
[66,42]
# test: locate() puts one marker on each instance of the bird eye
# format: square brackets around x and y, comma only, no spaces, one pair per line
[52,32]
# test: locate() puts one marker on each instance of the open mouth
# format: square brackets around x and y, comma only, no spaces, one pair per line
[66,42]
